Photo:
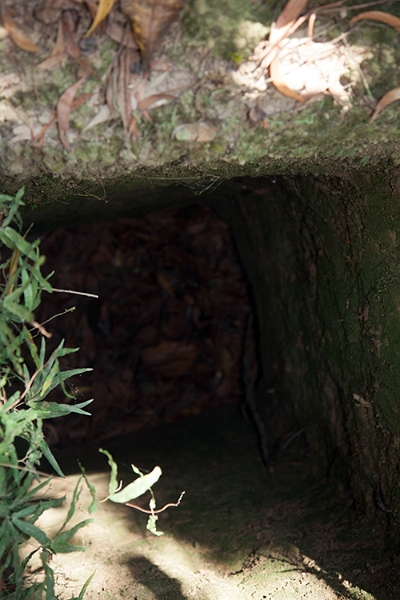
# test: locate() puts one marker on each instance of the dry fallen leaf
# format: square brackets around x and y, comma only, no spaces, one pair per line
[150,22]
[103,10]
[388,98]
[120,32]
[38,139]
[103,115]
[56,54]
[286,23]
[69,20]
[123,96]
[286,19]
[64,107]
[19,38]
[49,11]
[278,82]
[377,15]
[154,100]
[93,7]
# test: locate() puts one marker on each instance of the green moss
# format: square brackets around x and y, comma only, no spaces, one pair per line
[223,26]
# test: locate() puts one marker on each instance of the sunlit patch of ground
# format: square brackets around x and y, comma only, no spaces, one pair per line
[239,533]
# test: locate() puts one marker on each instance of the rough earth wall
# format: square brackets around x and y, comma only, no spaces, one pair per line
[322,256]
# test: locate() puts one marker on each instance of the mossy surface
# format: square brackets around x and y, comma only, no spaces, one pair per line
[211,41]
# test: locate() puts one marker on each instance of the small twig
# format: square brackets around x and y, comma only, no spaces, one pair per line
[28,387]
[117,490]
[42,330]
[67,310]
[159,510]
[27,470]
[77,293]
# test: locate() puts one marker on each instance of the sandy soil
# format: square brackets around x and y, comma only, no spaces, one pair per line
[241,532]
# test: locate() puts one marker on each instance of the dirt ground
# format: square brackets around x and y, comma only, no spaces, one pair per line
[241,531]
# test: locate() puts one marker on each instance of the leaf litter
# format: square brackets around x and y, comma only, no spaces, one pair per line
[299,68]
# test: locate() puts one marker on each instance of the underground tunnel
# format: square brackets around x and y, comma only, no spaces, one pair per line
[220,206]
[242,340]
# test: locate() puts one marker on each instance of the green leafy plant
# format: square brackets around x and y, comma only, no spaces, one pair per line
[27,376]
[135,489]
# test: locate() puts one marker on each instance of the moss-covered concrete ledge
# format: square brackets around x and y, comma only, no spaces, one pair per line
[252,127]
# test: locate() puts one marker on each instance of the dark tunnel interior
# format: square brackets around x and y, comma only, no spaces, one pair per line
[165,337]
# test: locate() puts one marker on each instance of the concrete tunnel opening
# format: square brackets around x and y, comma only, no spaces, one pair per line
[178,276]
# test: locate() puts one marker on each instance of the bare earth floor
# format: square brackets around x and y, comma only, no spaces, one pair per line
[241,532]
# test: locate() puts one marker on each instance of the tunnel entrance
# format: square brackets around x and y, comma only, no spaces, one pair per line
[165,337]
[320,267]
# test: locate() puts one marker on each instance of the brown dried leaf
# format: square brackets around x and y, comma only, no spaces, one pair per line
[64,107]
[56,54]
[123,97]
[38,140]
[287,22]
[69,20]
[19,38]
[133,129]
[86,67]
[287,18]
[79,100]
[377,15]
[93,7]
[311,22]
[388,98]
[103,10]
[120,34]
[50,11]
[154,99]
[150,22]
[278,82]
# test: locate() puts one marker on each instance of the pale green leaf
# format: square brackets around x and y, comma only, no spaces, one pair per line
[137,487]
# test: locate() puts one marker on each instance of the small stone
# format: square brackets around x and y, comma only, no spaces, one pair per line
[202,132]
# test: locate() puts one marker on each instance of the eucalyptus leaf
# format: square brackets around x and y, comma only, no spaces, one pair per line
[53,410]
[137,487]
[113,485]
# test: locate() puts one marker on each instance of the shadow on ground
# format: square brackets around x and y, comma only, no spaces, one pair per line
[241,532]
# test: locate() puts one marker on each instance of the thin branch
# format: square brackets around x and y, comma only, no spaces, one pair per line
[77,293]
[67,310]
[159,510]
[28,387]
